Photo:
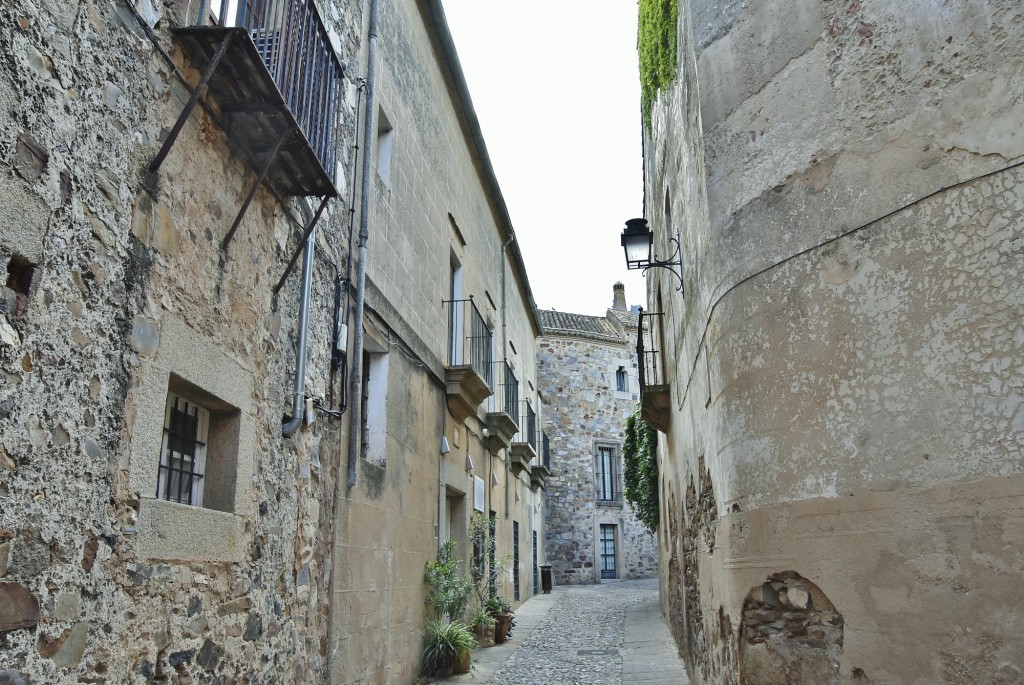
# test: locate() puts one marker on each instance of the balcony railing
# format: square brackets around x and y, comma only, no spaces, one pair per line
[276,81]
[527,426]
[469,339]
[654,390]
[648,351]
[506,399]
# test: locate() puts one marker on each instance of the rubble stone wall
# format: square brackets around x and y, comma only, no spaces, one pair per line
[118,290]
[577,379]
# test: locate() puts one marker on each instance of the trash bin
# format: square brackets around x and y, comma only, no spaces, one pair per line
[545,579]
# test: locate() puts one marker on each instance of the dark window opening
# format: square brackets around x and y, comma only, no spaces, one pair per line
[621,380]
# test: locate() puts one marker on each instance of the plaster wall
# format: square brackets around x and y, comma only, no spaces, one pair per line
[428,205]
[847,389]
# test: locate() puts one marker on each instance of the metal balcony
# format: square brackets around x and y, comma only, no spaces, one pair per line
[503,419]
[524,444]
[469,375]
[274,81]
[655,393]
[539,472]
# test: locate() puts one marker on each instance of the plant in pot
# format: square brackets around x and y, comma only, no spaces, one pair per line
[448,642]
[446,648]
[482,624]
[501,611]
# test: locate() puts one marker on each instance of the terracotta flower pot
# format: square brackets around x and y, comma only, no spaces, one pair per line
[484,635]
[502,622]
[462,663]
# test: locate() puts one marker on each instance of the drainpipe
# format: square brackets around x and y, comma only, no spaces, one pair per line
[299,398]
[355,396]
[504,336]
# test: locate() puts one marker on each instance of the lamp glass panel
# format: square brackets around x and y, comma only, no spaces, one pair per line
[638,248]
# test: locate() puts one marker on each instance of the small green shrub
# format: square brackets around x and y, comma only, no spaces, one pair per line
[449,592]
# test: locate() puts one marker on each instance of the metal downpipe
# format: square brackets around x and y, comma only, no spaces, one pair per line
[369,132]
[504,335]
[298,401]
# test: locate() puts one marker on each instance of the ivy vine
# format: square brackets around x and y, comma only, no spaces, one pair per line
[640,469]
[656,46]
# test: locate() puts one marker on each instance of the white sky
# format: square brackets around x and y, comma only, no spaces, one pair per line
[555,87]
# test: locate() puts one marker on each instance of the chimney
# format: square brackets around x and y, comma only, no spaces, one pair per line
[619,298]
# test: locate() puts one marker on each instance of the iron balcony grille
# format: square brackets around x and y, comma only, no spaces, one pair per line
[507,399]
[648,352]
[292,42]
[527,426]
[470,341]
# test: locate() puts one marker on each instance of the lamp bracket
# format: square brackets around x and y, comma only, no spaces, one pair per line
[671,264]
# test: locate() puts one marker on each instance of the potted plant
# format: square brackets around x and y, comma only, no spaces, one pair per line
[501,611]
[482,624]
[446,648]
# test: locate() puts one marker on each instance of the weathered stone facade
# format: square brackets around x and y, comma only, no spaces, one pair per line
[119,294]
[578,359]
[845,365]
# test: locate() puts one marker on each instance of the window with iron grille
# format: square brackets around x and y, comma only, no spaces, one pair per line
[608,560]
[183,451]
[536,572]
[608,474]
[515,559]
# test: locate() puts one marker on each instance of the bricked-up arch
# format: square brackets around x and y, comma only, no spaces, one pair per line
[791,634]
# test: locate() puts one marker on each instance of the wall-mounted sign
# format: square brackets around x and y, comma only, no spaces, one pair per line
[478,493]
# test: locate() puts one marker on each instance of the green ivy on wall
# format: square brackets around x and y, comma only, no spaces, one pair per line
[640,469]
[656,45]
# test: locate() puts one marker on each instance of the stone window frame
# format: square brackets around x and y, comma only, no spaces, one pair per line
[187,363]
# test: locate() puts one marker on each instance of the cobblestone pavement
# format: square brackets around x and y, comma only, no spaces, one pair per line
[605,634]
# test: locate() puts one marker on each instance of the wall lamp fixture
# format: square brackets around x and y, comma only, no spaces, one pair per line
[638,244]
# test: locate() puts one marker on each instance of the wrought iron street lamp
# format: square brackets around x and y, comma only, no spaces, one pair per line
[638,244]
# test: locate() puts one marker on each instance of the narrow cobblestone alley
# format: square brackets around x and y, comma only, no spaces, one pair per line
[606,634]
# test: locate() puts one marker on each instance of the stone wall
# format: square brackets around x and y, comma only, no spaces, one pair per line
[844,361]
[118,291]
[577,379]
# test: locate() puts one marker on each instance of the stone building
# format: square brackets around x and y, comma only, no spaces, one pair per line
[843,412]
[216,466]
[588,375]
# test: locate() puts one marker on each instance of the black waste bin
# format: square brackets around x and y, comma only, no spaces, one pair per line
[545,579]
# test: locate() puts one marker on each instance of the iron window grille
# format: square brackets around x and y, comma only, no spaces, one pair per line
[536,572]
[183,452]
[515,559]
[608,475]
[608,551]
